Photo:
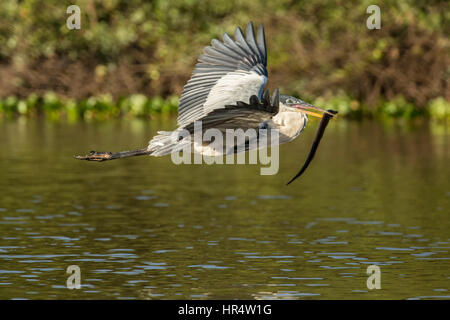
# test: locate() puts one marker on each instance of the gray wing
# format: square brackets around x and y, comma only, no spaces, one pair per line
[241,115]
[226,72]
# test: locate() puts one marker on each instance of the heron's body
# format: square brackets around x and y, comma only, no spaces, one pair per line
[289,125]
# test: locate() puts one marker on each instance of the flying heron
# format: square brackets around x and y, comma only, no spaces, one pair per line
[227,75]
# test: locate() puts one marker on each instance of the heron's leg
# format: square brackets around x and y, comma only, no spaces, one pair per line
[103,156]
[95,156]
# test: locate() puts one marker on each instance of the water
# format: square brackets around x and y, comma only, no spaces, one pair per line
[144,228]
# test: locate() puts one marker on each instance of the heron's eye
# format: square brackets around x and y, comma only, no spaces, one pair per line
[289,101]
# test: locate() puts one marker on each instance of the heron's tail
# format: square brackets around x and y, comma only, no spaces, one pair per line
[166,142]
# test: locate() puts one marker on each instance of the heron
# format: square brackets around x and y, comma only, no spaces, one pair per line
[227,90]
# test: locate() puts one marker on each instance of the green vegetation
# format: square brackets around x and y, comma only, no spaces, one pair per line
[319,50]
[139,105]
[100,107]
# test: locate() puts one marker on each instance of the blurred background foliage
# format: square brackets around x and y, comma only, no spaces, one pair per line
[134,56]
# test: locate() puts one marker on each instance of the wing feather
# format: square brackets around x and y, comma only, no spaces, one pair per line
[240,41]
[224,49]
[250,37]
[226,72]
[261,41]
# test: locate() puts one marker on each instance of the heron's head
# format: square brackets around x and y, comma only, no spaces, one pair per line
[288,103]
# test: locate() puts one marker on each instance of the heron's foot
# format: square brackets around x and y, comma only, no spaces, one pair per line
[95,156]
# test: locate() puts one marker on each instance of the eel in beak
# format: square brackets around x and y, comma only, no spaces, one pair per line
[320,131]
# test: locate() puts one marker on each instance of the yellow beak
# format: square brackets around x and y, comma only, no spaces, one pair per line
[304,109]
[318,115]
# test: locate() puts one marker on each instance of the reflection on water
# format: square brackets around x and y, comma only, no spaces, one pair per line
[145,228]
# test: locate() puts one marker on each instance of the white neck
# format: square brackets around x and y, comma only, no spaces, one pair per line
[290,124]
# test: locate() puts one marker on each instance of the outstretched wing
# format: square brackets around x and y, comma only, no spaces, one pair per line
[226,72]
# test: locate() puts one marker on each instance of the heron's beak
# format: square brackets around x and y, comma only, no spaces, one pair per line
[304,109]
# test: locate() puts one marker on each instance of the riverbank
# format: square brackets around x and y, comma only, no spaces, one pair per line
[138,105]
